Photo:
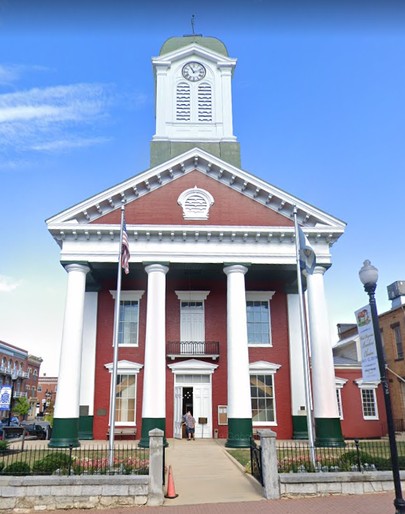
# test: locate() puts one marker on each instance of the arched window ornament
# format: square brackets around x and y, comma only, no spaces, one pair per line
[195,203]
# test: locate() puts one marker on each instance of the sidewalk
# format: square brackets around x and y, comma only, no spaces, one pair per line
[203,472]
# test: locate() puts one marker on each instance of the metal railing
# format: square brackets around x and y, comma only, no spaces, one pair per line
[193,348]
[364,455]
[91,460]
[256,461]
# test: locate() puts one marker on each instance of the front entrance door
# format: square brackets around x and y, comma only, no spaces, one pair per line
[195,395]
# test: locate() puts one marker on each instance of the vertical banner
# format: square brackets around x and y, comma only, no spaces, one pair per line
[369,359]
[5,397]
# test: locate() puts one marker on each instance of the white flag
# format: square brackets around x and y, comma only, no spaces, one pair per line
[306,253]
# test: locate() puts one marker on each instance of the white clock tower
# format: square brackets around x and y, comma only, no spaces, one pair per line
[194,99]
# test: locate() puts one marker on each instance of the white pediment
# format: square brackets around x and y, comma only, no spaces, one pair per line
[193,49]
[196,159]
[193,366]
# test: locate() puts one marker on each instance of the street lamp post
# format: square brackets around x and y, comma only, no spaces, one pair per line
[369,276]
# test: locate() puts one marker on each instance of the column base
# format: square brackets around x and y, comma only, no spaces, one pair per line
[300,427]
[65,433]
[328,432]
[149,424]
[86,427]
[239,433]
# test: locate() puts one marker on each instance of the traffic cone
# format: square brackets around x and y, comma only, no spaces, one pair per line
[171,492]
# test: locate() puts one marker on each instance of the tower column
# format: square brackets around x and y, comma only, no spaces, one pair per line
[154,379]
[66,418]
[239,399]
[327,422]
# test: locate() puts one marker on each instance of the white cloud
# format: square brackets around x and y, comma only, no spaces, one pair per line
[7,284]
[41,119]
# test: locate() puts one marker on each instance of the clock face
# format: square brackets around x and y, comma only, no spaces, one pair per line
[193,71]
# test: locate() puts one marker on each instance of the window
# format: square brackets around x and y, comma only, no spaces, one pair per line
[128,331]
[258,317]
[340,382]
[35,373]
[398,340]
[368,399]
[369,404]
[262,395]
[204,102]
[192,322]
[222,414]
[125,391]
[339,403]
[125,399]
[39,389]
[262,392]
[183,102]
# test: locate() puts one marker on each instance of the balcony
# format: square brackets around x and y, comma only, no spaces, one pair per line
[176,349]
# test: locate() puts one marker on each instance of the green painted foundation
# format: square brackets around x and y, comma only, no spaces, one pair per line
[328,432]
[149,424]
[86,427]
[300,427]
[239,433]
[65,433]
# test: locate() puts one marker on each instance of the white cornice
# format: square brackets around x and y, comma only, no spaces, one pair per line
[194,49]
[195,159]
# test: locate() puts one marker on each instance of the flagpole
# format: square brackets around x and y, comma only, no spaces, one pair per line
[304,342]
[115,343]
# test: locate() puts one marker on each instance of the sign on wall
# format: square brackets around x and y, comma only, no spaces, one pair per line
[369,359]
[5,397]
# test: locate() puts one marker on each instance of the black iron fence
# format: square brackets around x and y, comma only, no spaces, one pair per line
[256,461]
[364,455]
[91,460]
[178,348]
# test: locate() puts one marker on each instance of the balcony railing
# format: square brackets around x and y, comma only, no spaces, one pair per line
[193,349]
[6,370]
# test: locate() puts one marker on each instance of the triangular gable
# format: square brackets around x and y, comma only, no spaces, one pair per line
[194,49]
[246,184]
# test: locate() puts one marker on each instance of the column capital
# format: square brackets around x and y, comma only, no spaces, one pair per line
[77,267]
[319,270]
[156,267]
[235,268]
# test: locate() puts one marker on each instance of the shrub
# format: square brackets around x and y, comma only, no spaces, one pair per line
[380,463]
[350,457]
[401,462]
[3,446]
[17,468]
[51,463]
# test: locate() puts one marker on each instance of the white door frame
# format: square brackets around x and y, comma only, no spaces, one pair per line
[202,401]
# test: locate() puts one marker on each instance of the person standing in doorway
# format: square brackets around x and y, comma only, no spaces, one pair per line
[190,425]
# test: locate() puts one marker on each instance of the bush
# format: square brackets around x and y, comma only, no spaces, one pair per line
[401,462]
[380,463]
[351,457]
[51,463]
[3,446]
[17,468]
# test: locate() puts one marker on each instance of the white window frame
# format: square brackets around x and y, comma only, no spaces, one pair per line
[130,296]
[265,368]
[339,382]
[371,386]
[261,296]
[125,367]
[192,296]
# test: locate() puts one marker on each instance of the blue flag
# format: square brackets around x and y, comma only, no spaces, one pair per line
[306,253]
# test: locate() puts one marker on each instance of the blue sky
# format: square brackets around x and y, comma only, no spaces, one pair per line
[318,96]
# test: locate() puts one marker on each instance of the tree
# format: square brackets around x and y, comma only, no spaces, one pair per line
[21,406]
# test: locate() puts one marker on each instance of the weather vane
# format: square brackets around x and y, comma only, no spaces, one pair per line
[192,28]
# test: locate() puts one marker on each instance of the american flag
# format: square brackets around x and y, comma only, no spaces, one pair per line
[125,255]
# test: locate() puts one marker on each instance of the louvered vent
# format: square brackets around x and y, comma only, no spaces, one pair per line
[183,102]
[204,102]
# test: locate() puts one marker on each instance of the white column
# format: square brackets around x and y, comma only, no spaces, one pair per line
[323,373]
[87,379]
[239,402]
[154,382]
[67,398]
[296,359]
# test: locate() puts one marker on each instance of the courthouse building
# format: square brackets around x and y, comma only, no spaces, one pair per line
[209,310]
